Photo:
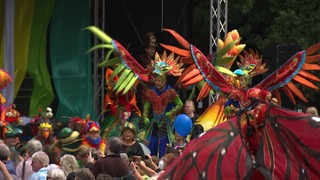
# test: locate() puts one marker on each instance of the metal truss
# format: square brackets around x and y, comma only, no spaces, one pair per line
[98,14]
[218,27]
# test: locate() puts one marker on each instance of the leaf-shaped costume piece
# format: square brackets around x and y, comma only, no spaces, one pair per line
[127,68]
[288,150]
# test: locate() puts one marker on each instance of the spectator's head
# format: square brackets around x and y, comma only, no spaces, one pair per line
[104,176]
[114,145]
[56,174]
[52,152]
[189,107]
[150,44]
[168,159]
[84,174]
[68,164]
[312,110]
[4,152]
[39,160]
[34,146]
[196,131]
[125,157]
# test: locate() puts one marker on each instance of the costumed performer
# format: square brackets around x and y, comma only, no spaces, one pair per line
[42,127]
[165,104]
[92,138]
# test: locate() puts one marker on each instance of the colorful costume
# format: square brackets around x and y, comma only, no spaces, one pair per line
[69,141]
[5,79]
[43,127]
[95,142]
[262,140]
[128,71]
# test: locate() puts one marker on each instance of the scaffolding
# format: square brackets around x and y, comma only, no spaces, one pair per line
[218,27]
[98,14]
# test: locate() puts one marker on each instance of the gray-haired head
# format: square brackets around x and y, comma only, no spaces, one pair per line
[68,163]
[4,152]
[115,144]
[34,146]
[41,157]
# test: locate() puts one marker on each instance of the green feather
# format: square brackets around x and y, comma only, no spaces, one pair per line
[100,34]
[107,46]
[122,77]
[125,82]
[118,69]
[110,62]
[225,71]
[130,84]
[224,50]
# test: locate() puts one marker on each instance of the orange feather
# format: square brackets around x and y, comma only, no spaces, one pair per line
[194,80]
[186,71]
[310,67]
[187,60]
[204,91]
[313,49]
[193,73]
[276,94]
[293,88]
[184,43]
[305,82]
[176,50]
[288,93]
[309,75]
[313,59]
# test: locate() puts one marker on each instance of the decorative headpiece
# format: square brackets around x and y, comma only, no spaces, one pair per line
[131,126]
[12,131]
[42,120]
[69,140]
[151,40]
[12,115]
[5,79]
[92,126]
[167,65]
[251,63]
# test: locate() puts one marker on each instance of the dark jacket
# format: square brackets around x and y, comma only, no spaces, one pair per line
[112,164]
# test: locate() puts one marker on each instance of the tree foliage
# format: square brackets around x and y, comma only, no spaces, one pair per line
[262,23]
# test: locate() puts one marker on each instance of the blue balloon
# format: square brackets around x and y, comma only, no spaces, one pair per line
[182,124]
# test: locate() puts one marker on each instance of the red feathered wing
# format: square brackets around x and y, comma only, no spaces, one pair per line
[219,153]
[294,70]
[289,149]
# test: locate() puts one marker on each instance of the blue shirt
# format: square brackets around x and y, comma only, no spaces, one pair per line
[40,175]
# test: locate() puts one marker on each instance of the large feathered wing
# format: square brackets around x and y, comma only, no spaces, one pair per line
[200,69]
[288,150]
[218,154]
[296,69]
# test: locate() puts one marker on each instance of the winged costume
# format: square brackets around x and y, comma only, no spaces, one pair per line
[263,140]
[126,73]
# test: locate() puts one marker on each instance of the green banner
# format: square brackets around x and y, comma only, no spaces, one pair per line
[42,93]
[70,64]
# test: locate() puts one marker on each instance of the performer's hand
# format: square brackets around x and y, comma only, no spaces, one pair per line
[146,121]
[169,115]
